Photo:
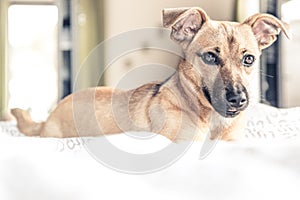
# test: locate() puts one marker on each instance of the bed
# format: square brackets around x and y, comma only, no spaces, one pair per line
[265,164]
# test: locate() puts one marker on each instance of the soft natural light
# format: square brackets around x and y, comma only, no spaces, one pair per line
[290,10]
[289,77]
[32,41]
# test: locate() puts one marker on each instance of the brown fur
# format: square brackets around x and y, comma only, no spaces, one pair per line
[187,104]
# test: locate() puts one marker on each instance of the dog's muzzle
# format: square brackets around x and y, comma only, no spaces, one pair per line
[237,101]
[229,103]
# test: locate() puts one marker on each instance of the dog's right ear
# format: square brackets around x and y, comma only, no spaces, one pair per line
[266,28]
[185,23]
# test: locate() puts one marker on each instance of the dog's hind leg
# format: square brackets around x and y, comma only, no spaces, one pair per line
[25,124]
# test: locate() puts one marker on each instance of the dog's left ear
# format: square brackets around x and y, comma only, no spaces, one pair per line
[266,28]
[185,23]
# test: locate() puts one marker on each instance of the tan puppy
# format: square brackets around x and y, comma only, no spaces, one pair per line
[207,94]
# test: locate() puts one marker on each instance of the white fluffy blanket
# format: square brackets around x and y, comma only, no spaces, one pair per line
[264,165]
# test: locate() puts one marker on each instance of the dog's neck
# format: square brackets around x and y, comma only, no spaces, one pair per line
[187,85]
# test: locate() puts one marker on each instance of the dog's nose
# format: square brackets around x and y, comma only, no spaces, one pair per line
[236,99]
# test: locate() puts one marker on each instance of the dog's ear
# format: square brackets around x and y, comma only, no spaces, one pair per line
[185,23]
[266,28]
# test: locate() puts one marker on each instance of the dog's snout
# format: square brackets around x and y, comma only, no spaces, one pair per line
[236,98]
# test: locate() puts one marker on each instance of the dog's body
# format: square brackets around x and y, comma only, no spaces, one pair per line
[208,93]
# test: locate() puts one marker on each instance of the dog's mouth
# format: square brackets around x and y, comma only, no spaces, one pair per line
[206,94]
[231,112]
[222,107]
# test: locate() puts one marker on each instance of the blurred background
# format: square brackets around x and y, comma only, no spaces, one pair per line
[43,43]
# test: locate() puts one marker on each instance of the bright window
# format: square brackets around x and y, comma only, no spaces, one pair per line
[32,58]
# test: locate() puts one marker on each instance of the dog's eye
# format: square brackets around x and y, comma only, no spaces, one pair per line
[248,60]
[210,58]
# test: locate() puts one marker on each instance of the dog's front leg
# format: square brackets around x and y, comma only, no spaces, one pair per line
[174,123]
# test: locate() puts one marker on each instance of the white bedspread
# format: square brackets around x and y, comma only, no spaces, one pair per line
[265,165]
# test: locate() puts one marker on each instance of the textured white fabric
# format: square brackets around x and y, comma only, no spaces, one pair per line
[265,165]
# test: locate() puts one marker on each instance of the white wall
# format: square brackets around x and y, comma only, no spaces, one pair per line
[121,16]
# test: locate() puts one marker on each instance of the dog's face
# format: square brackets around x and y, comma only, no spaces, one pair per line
[223,54]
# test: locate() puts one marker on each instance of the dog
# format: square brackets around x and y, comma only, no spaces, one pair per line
[208,93]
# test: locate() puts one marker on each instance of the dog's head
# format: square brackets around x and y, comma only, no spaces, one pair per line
[223,54]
